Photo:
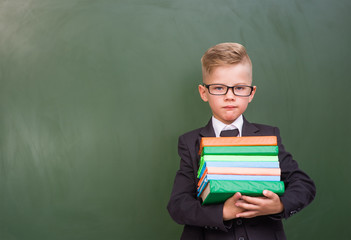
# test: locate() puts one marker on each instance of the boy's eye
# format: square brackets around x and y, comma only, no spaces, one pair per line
[239,88]
[218,88]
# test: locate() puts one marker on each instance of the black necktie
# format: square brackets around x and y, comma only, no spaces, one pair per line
[229,133]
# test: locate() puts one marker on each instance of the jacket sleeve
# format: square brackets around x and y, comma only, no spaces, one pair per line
[299,188]
[183,206]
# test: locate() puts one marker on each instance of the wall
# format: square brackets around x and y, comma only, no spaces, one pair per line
[94,94]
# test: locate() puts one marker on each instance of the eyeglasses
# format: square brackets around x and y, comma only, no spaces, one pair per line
[238,90]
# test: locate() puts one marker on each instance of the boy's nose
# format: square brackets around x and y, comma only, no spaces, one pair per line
[230,93]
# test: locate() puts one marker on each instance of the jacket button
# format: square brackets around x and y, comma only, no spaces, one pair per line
[241,238]
[293,212]
[239,222]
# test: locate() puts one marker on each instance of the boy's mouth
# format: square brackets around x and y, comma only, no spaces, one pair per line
[229,107]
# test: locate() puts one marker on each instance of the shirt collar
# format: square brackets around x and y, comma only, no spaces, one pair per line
[218,126]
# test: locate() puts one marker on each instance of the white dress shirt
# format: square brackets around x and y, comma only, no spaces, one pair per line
[218,126]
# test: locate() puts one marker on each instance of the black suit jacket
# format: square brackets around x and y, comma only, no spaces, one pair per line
[206,222]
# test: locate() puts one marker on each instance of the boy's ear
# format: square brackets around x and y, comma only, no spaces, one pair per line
[252,94]
[202,91]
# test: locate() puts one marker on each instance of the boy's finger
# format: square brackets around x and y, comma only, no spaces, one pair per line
[269,194]
[236,196]
[247,214]
[252,200]
[247,206]
[233,199]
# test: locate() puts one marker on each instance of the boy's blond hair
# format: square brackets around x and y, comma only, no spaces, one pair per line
[223,54]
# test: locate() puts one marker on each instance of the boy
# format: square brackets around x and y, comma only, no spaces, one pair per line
[227,87]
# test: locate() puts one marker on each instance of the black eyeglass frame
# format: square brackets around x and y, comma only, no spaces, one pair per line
[208,87]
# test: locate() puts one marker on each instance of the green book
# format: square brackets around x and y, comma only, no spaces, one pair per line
[236,158]
[217,191]
[241,150]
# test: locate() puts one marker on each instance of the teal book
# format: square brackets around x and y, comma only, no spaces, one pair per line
[239,158]
[218,191]
[241,150]
[209,177]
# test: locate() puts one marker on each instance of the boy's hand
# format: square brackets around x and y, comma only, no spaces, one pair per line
[230,210]
[257,206]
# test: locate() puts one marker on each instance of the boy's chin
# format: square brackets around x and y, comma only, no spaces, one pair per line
[228,120]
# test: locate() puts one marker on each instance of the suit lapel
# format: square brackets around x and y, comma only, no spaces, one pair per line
[208,130]
[249,129]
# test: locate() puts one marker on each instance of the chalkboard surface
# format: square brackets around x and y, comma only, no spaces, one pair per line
[94,94]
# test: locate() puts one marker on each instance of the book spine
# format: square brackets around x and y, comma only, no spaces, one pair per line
[207,177]
[237,164]
[244,171]
[235,158]
[241,150]
[203,176]
[240,158]
[238,141]
[222,190]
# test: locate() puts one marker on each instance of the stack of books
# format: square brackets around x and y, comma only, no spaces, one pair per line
[247,165]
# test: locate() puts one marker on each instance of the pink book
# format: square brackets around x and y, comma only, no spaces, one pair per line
[244,171]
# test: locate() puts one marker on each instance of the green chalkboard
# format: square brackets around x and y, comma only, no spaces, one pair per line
[94,94]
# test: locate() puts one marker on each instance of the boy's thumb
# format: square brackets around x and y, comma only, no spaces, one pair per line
[236,196]
[268,194]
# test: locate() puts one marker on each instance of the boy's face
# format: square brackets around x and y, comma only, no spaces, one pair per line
[228,107]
